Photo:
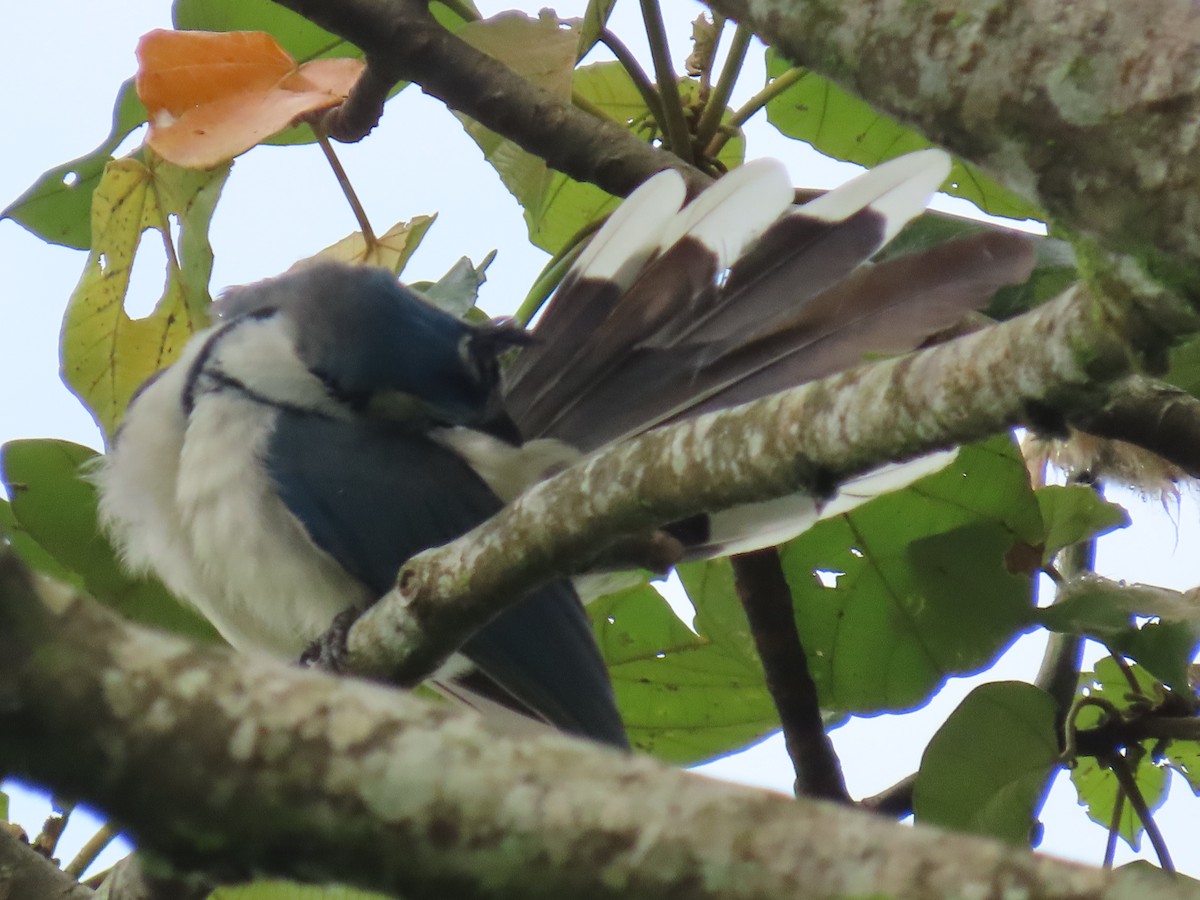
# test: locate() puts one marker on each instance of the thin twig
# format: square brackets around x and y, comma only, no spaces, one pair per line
[636,74]
[746,111]
[679,140]
[895,802]
[347,188]
[1114,831]
[767,600]
[89,851]
[718,26]
[714,108]
[1119,766]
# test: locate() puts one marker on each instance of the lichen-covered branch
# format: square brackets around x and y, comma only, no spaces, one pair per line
[1089,108]
[1039,367]
[218,760]
[402,41]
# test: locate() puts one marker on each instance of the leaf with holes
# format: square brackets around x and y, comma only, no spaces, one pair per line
[684,697]
[106,355]
[918,584]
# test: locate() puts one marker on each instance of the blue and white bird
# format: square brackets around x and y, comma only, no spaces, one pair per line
[333,423]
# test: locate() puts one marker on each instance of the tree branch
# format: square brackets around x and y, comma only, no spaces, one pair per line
[1088,108]
[402,41]
[765,596]
[27,875]
[390,792]
[802,440]
[1154,415]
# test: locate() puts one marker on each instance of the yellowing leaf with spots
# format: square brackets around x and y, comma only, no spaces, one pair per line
[213,95]
[106,355]
[389,251]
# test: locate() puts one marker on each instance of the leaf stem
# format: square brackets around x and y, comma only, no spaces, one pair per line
[347,188]
[714,109]
[718,25]
[747,110]
[89,851]
[679,140]
[1114,831]
[1120,768]
[636,74]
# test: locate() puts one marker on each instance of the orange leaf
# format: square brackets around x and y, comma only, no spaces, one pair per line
[213,95]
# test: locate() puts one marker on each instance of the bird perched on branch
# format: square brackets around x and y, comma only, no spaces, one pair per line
[333,423]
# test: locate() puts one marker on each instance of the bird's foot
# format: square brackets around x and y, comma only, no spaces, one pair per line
[329,652]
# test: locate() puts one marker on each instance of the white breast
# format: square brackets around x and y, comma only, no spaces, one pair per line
[188,499]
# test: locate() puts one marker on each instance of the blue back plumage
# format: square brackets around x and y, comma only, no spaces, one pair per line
[373,494]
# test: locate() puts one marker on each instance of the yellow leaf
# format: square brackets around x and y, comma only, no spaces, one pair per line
[106,355]
[213,95]
[391,250]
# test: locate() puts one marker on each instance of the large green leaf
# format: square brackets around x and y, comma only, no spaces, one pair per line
[29,550]
[555,207]
[685,697]
[558,208]
[106,355]
[987,769]
[915,586]
[840,125]
[58,206]
[56,507]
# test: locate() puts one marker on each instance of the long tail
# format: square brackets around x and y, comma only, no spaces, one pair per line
[672,312]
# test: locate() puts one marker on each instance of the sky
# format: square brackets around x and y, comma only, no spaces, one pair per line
[283,204]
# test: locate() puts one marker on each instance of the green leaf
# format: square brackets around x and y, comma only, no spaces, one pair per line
[56,507]
[106,355]
[457,291]
[558,208]
[840,125]
[1184,368]
[1108,611]
[595,18]
[684,697]
[987,769]
[1076,513]
[1098,789]
[923,588]
[58,206]
[298,36]
[555,206]
[1096,785]
[29,551]
[1184,757]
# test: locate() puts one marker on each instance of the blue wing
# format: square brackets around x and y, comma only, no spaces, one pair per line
[373,494]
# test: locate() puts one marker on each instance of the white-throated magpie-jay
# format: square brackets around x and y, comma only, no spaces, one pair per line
[333,424]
